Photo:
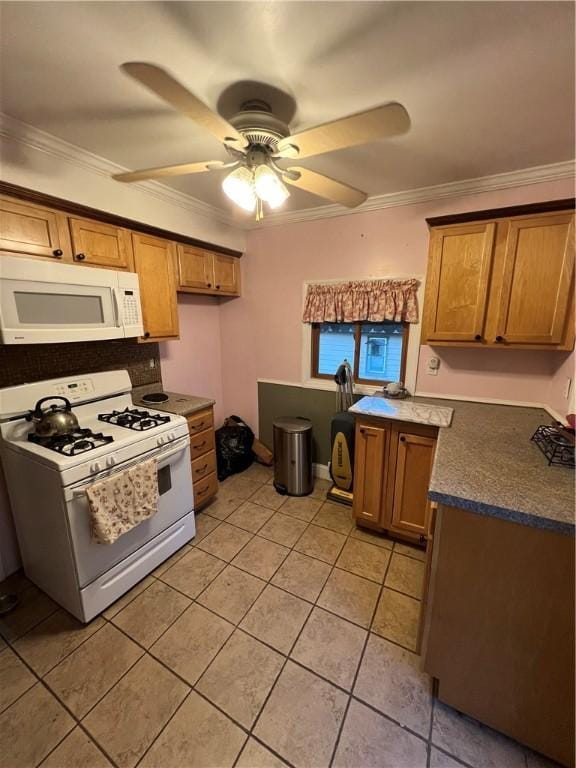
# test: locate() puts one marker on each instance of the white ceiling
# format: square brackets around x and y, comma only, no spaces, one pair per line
[489,86]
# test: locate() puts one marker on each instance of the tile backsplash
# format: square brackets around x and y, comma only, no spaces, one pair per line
[20,363]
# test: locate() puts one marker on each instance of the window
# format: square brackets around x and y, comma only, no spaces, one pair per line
[376,351]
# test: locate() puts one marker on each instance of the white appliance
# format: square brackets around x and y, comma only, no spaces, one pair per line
[47,483]
[42,302]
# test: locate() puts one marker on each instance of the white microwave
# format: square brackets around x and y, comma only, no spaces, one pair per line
[43,302]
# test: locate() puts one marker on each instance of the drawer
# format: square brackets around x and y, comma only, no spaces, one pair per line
[200,421]
[203,465]
[205,489]
[201,443]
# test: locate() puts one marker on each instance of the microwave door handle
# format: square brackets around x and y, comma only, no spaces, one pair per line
[116,308]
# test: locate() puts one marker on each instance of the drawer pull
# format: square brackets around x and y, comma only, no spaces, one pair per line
[202,444]
[199,426]
[203,491]
[57,253]
[80,257]
[201,469]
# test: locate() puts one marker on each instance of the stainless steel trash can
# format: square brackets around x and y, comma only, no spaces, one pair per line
[293,456]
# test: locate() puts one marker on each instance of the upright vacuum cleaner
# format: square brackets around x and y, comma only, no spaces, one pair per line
[342,438]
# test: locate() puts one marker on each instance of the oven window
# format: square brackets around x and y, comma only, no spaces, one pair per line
[58,308]
[164,480]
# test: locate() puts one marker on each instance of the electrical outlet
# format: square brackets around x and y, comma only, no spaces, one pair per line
[567,387]
[152,363]
[432,366]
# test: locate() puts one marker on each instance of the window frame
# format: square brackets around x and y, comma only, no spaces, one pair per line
[315,352]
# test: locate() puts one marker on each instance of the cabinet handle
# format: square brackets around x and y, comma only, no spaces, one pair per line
[57,253]
[201,445]
[80,257]
[147,335]
[402,439]
[201,469]
[217,287]
[478,337]
[362,430]
[209,285]
[203,491]
[499,338]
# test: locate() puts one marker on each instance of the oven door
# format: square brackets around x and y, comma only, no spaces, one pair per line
[175,500]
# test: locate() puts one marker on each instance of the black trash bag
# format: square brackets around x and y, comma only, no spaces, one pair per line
[233,447]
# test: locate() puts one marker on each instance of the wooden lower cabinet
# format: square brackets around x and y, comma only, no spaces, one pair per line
[392,468]
[203,456]
[154,261]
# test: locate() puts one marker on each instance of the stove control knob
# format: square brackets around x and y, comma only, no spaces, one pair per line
[110,461]
[160,441]
[96,467]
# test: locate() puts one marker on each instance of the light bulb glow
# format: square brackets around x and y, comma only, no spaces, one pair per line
[269,186]
[239,187]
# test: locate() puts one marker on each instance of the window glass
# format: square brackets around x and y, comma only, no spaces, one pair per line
[336,344]
[381,351]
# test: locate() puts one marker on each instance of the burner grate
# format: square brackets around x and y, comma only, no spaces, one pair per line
[556,443]
[73,443]
[132,418]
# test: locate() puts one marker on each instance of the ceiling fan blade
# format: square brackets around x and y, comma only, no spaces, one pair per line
[174,93]
[170,170]
[324,186]
[362,128]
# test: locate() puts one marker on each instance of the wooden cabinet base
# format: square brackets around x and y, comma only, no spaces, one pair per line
[203,456]
[499,627]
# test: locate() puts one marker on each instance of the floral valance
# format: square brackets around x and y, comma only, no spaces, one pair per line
[372,300]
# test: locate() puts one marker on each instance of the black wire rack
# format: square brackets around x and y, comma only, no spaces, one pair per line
[556,443]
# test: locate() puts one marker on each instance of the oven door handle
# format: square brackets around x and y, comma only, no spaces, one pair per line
[116,308]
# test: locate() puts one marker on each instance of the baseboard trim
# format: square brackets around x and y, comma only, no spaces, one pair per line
[321,471]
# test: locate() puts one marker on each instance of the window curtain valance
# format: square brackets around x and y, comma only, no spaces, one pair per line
[371,300]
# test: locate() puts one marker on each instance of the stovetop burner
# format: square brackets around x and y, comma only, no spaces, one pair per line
[155,397]
[78,441]
[132,418]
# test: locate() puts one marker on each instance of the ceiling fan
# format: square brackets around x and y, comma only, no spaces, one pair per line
[256,140]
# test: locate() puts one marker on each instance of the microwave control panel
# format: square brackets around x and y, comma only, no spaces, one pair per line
[130,308]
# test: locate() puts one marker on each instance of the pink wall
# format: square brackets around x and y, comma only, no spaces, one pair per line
[261,333]
[193,365]
[563,368]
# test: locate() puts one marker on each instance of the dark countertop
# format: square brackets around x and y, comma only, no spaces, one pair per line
[183,405]
[485,462]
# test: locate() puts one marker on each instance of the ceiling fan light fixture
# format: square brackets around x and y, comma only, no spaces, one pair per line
[269,186]
[239,187]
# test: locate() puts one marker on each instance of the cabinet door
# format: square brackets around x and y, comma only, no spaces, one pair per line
[155,262]
[100,245]
[457,287]
[411,507]
[195,269]
[226,274]
[33,231]
[537,279]
[370,469]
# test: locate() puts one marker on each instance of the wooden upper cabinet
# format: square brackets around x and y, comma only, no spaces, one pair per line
[96,244]
[201,271]
[226,274]
[413,467]
[536,283]
[457,284]
[370,469]
[155,263]
[31,230]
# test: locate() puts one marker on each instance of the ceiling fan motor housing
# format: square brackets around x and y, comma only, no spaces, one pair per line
[256,122]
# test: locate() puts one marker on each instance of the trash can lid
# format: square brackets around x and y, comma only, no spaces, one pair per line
[293,424]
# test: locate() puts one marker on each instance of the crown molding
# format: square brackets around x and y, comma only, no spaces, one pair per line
[29,136]
[535,175]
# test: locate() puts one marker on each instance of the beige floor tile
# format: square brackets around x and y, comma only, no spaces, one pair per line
[331,647]
[85,676]
[250,517]
[371,537]
[337,517]
[371,741]
[204,525]
[397,618]
[194,572]
[302,575]
[57,636]
[472,742]
[406,575]
[127,598]
[268,496]
[350,596]
[240,486]
[314,710]
[3,644]
[261,557]
[440,759]
[258,472]
[232,593]
[169,562]
[34,607]
[225,542]
[410,551]
[15,678]
[192,642]
[254,755]
[132,714]
[276,618]
[223,505]
[321,543]
[198,736]
[283,529]
[31,728]
[77,751]
[391,681]
[240,677]
[364,560]
[321,488]
[151,613]
[301,507]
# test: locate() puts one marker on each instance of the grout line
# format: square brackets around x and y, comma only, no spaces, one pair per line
[161,731]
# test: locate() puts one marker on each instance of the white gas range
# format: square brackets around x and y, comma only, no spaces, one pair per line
[47,480]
